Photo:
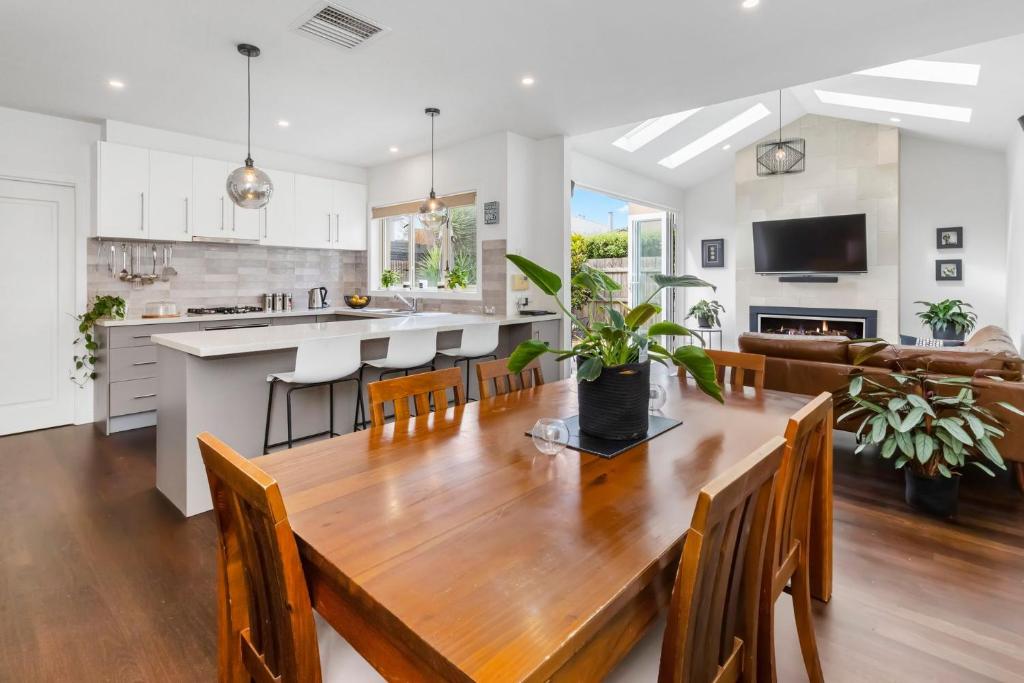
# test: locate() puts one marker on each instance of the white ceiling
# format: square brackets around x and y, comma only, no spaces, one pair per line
[597,62]
[997,101]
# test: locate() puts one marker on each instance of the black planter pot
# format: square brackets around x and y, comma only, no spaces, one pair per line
[947,333]
[703,321]
[614,406]
[936,496]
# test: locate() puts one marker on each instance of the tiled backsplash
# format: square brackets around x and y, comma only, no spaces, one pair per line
[239,274]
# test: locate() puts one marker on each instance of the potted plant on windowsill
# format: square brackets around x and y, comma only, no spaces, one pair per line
[948,318]
[457,277]
[931,424]
[389,278]
[614,358]
[706,312]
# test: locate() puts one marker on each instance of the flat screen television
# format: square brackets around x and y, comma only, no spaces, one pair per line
[826,244]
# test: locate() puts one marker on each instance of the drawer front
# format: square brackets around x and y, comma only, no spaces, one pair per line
[235,324]
[138,335]
[133,396]
[135,362]
[295,320]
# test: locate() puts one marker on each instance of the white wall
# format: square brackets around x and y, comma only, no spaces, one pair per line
[709,212]
[1014,295]
[942,185]
[604,177]
[52,149]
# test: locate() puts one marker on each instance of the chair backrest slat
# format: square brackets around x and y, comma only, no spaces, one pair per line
[266,629]
[711,634]
[505,381]
[739,366]
[420,388]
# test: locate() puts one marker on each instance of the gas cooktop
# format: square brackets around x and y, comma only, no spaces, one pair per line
[225,310]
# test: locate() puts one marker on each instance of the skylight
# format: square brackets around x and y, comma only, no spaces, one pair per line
[956,73]
[891,106]
[652,128]
[716,136]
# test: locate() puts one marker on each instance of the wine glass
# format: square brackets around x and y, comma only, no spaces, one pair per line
[658,397]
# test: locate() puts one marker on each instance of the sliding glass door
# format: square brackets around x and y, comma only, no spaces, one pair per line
[650,253]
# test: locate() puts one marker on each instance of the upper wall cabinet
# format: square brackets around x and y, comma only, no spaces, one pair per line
[122,183]
[149,194]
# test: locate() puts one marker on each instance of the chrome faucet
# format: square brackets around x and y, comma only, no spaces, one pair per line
[413,305]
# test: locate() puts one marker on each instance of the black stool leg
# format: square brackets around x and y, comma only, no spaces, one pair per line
[288,401]
[266,430]
[359,404]
[330,402]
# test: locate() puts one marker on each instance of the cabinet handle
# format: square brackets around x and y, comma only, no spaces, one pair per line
[337,226]
[234,218]
[145,396]
[329,229]
[148,362]
[142,211]
[142,336]
[186,215]
[266,223]
[222,212]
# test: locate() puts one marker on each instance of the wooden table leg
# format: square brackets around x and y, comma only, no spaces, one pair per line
[821,525]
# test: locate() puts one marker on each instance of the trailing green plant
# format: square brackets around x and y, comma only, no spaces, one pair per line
[929,422]
[708,310]
[948,313]
[622,340]
[85,345]
[389,278]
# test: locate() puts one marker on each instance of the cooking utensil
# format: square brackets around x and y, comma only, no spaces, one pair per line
[151,277]
[110,262]
[136,266]
[124,276]
[169,270]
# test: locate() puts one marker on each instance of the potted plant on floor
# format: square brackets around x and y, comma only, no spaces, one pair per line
[706,312]
[949,318]
[614,358]
[930,425]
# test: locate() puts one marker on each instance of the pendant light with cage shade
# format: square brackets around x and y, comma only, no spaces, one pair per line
[433,212]
[248,186]
[782,156]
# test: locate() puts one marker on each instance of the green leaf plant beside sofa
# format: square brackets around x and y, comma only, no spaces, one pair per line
[988,364]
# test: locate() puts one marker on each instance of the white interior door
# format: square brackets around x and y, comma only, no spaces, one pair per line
[37,265]
[649,254]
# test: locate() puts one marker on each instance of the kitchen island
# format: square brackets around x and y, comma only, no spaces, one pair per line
[216,381]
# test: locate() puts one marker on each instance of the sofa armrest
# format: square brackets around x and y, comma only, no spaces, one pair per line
[989,392]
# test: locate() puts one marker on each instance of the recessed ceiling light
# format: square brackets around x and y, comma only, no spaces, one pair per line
[726,148]
[895,119]
[392,149]
[956,73]
[527,80]
[932,111]
[115,84]
[652,128]
[750,4]
[716,136]
[283,123]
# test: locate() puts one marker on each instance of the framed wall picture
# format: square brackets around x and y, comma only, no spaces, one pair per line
[490,213]
[949,238]
[712,253]
[949,270]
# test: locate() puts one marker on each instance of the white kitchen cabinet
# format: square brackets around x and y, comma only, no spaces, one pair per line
[123,189]
[243,224]
[314,212]
[277,218]
[170,196]
[350,215]
[211,197]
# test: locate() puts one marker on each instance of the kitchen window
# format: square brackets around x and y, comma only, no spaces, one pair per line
[416,258]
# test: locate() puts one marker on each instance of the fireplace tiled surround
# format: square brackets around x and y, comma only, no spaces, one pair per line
[852,167]
[849,322]
[212,274]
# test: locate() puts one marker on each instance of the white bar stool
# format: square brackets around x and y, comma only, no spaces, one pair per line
[318,362]
[478,342]
[407,350]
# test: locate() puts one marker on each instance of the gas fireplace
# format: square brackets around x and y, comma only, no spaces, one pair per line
[840,322]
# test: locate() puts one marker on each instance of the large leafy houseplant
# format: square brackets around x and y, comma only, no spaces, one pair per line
[619,350]
[85,345]
[929,425]
[949,318]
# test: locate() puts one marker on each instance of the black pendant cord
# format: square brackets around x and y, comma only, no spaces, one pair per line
[780,118]
[248,110]
[432,155]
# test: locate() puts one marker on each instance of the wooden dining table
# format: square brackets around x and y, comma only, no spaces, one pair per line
[447,547]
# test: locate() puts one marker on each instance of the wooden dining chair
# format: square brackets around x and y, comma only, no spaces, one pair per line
[422,388]
[787,561]
[739,365]
[267,630]
[710,631]
[494,378]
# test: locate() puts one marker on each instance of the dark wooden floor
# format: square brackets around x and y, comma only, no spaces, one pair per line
[101,579]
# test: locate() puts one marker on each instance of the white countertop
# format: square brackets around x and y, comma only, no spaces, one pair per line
[213,343]
[370,312]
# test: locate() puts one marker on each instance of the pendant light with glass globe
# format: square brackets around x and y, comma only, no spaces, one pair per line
[248,186]
[433,212]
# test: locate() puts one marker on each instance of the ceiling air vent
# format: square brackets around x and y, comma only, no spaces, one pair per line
[338,26]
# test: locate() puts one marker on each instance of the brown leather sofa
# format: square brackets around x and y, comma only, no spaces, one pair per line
[810,365]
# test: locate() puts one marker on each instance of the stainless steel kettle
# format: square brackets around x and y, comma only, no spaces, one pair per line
[318,297]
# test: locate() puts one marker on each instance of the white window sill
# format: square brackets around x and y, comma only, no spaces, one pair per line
[461,295]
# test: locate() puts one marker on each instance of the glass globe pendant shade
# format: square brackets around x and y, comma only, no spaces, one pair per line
[249,187]
[433,212]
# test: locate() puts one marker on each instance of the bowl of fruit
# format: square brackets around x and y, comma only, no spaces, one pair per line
[357,300]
